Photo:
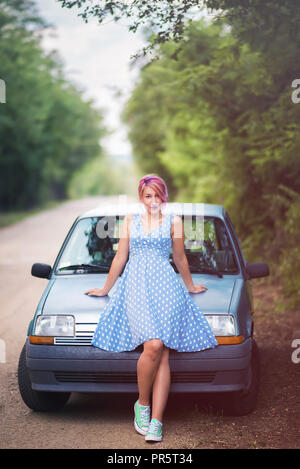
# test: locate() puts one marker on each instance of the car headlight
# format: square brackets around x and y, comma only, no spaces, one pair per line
[55,326]
[222,325]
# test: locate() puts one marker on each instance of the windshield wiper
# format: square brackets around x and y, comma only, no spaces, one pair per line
[207,269]
[88,267]
[204,269]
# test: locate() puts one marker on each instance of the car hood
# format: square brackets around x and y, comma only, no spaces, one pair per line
[67,295]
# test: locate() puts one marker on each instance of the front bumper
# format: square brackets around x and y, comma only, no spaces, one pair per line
[62,368]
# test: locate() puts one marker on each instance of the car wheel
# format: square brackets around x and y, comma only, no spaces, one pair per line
[40,401]
[244,402]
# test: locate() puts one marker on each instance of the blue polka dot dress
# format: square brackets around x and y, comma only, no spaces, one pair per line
[150,302]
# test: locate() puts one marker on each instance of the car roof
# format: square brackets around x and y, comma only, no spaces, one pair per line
[119,209]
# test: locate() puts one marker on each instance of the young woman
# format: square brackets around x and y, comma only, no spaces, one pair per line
[150,305]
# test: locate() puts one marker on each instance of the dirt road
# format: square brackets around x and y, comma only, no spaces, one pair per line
[93,421]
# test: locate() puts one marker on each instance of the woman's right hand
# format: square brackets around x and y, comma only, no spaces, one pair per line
[96,292]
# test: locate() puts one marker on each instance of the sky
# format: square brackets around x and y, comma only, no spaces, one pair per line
[97,58]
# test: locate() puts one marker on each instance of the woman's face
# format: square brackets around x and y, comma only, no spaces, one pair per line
[151,200]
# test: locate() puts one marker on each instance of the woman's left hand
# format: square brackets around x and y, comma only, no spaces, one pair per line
[198,289]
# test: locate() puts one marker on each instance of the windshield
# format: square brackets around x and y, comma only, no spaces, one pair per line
[94,243]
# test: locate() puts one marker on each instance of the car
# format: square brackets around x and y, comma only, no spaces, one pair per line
[58,358]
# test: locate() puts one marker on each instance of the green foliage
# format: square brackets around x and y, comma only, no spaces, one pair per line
[102,176]
[166,17]
[47,131]
[169,19]
[285,206]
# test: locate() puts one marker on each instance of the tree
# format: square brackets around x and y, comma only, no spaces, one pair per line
[166,17]
[47,131]
[169,19]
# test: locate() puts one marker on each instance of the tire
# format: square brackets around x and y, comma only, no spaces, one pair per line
[244,402]
[39,401]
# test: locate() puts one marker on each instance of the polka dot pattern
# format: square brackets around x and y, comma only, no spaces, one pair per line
[149,301]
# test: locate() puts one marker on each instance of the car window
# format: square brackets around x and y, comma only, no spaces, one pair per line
[94,242]
[207,244]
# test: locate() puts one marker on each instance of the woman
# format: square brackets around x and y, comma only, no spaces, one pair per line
[150,305]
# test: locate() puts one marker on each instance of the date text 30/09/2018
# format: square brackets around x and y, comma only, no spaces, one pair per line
[163,458]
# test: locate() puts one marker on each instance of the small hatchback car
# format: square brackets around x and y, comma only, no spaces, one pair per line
[58,358]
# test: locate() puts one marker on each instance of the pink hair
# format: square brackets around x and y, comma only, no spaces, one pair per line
[156,183]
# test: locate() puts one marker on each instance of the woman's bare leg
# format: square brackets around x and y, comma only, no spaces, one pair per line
[161,386]
[147,367]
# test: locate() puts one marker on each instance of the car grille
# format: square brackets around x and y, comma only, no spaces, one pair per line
[72,340]
[83,335]
[129,377]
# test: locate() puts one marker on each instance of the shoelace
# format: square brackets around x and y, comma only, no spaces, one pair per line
[154,427]
[144,414]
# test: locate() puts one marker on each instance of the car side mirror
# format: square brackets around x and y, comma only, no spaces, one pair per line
[257,269]
[41,270]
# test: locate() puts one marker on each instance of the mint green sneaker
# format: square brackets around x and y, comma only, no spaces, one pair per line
[141,418]
[154,432]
